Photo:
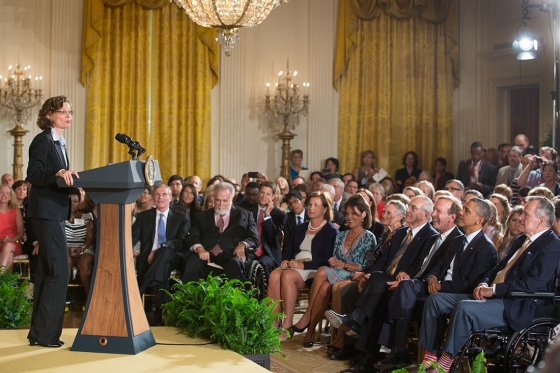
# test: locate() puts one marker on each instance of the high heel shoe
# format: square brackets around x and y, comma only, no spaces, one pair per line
[307,344]
[53,344]
[295,329]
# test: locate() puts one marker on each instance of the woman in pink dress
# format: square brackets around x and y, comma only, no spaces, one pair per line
[11,227]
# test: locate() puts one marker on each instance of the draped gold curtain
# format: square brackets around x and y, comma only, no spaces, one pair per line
[397,63]
[151,71]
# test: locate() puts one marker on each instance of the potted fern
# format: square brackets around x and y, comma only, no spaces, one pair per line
[15,302]
[225,312]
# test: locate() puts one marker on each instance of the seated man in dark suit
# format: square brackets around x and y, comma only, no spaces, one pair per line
[161,232]
[251,196]
[338,217]
[528,267]
[476,173]
[296,216]
[401,261]
[219,237]
[467,260]
[270,223]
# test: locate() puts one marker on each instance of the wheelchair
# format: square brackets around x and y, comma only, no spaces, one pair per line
[254,273]
[510,352]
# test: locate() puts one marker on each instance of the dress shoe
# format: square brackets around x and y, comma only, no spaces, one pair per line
[394,360]
[52,344]
[346,353]
[295,329]
[364,366]
[337,320]
[331,349]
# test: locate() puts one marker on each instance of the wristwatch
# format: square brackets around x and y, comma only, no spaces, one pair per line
[346,266]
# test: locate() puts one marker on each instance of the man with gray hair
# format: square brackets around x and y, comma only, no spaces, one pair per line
[399,262]
[339,198]
[529,267]
[219,237]
[456,188]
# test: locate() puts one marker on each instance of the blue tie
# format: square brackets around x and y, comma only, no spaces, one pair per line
[161,230]
[299,220]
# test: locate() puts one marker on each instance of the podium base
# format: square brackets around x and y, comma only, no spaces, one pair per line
[114,345]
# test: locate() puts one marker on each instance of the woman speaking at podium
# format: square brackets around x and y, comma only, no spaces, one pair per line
[49,207]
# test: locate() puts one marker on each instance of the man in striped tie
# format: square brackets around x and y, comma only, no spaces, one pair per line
[528,267]
[296,216]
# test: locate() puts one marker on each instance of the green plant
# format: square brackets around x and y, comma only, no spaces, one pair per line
[14,301]
[223,311]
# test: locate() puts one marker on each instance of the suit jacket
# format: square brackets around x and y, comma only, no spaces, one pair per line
[46,200]
[144,230]
[503,174]
[531,273]
[290,227]
[486,175]
[469,267]
[271,230]
[342,202]
[402,175]
[241,228]
[339,218]
[409,262]
[440,253]
[322,246]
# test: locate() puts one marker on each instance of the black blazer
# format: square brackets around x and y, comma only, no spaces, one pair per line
[46,200]
[290,227]
[440,253]
[144,230]
[409,262]
[531,273]
[322,246]
[402,174]
[271,230]
[468,270]
[241,228]
[487,175]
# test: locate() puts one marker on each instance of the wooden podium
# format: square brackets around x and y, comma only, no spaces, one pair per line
[114,320]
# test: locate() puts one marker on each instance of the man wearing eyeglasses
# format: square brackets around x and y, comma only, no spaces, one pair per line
[296,216]
[456,188]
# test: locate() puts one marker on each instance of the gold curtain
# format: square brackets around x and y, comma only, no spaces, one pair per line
[398,63]
[151,71]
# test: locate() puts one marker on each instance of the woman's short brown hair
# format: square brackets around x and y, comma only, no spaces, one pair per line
[357,201]
[326,201]
[49,107]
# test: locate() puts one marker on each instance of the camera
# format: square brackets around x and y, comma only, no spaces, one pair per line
[539,159]
[254,175]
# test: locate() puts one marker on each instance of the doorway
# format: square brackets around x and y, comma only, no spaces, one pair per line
[524,114]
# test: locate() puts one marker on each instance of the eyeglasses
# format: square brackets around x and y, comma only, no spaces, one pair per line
[449,189]
[64,112]
[377,193]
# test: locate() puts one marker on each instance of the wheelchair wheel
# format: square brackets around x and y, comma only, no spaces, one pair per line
[527,347]
[254,273]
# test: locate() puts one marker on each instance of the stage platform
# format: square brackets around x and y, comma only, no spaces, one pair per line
[17,356]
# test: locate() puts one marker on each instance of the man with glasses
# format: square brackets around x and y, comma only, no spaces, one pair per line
[456,188]
[296,216]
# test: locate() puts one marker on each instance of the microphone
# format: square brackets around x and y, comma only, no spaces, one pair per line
[123,139]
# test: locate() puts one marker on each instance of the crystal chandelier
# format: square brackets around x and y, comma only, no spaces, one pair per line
[227,16]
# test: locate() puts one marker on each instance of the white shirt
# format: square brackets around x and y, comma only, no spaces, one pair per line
[62,142]
[434,248]
[165,214]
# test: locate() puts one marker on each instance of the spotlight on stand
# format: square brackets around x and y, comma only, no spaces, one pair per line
[526,44]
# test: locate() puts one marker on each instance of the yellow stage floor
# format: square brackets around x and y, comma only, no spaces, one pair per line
[17,356]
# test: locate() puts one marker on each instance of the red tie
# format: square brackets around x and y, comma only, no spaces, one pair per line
[260,250]
[220,224]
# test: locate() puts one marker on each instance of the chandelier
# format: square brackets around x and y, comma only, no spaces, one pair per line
[227,16]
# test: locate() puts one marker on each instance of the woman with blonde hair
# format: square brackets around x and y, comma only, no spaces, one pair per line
[11,227]
[504,241]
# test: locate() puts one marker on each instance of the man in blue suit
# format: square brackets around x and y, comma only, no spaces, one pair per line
[467,260]
[399,262]
[528,267]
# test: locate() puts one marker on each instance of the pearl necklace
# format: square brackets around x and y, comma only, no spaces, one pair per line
[310,227]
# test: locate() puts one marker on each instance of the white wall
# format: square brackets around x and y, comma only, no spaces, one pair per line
[46,34]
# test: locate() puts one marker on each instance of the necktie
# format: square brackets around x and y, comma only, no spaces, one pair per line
[260,219]
[429,257]
[220,224]
[299,220]
[404,245]
[473,173]
[453,264]
[161,230]
[501,276]
[510,177]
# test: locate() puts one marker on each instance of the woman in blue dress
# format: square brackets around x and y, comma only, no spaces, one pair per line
[353,252]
